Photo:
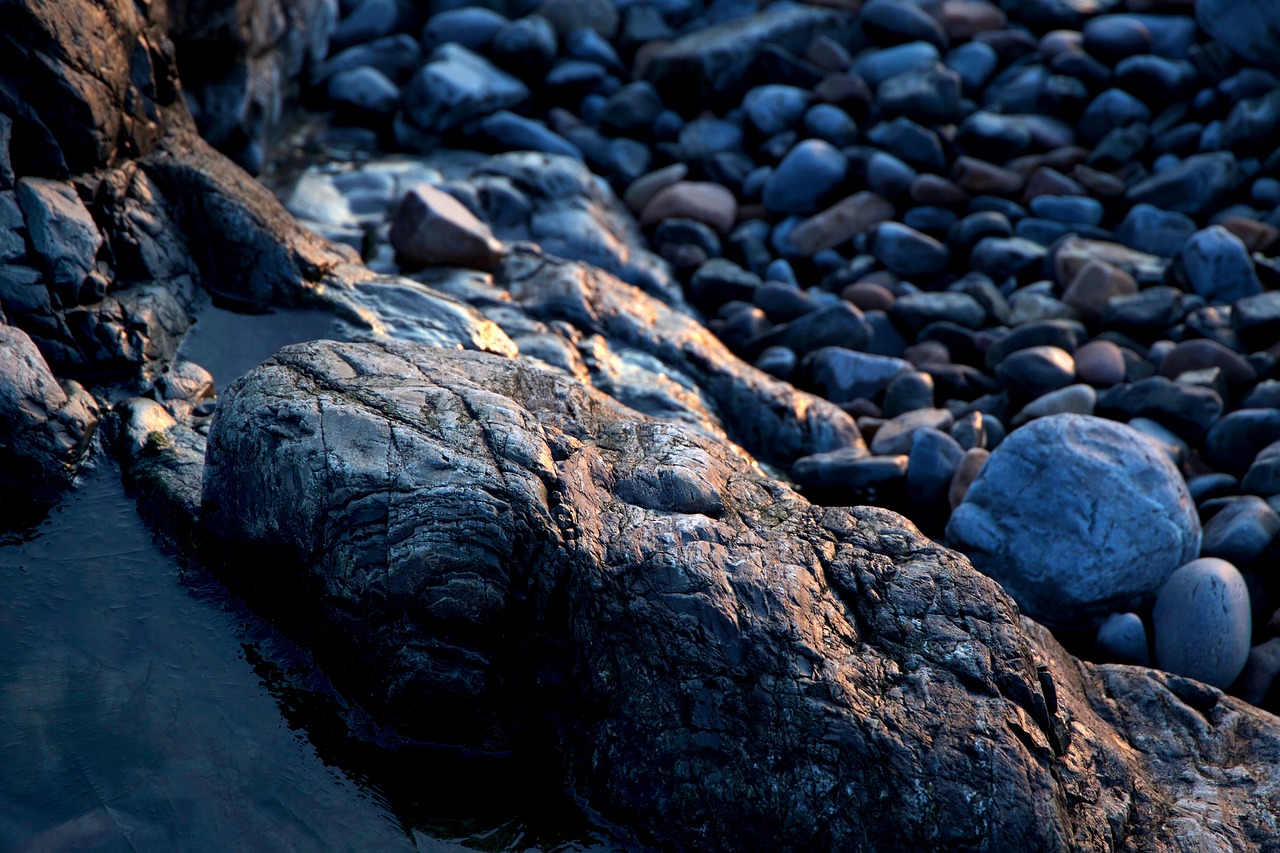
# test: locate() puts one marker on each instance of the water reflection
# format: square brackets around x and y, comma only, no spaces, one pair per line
[129,718]
[144,709]
[229,345]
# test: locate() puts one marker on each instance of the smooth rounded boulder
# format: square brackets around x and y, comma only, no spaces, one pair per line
[1077,517]
[1201,622]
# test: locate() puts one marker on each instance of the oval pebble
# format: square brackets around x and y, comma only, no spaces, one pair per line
[1202,622]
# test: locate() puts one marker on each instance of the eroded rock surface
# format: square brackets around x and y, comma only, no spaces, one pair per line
[485,552]
[44,425]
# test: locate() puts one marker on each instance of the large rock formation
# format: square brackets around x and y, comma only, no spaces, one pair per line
[485,548]
[242,63]
[487,553]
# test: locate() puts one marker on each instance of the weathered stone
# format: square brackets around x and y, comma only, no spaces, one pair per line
[44,428]
[432,227]
[667,685]
[62,232]
[1077,517]
[842,375]
[457,85]
[711,64]
[588,502]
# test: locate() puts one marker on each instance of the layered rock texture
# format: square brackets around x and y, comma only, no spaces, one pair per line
[531,508]
[487,553]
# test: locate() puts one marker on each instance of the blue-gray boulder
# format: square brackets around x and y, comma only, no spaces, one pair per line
[1077,517]
[457,85]
[1122,638]
[1201,622]
[1218,265]
[1248,28]
[804,178]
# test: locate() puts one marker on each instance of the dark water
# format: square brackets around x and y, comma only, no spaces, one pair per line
[129,717]
[143,708]
[229,345]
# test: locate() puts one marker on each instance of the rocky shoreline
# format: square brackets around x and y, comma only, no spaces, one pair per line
[1006,270]
[993,224]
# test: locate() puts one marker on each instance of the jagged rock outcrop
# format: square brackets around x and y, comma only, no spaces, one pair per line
[242,63]
[487,553]
[117,220]
[45,425]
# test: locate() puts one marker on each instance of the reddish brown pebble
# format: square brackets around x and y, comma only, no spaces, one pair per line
[927,352]
[701,201]
[964,19]
[979,176]
[432,227]
[1094,285]
[868,296]
[970,464]
[1257,236]
[1100,363]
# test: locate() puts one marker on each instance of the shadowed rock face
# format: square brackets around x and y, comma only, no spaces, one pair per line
[484,552]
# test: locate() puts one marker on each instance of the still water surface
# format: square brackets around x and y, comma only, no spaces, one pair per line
[143,708]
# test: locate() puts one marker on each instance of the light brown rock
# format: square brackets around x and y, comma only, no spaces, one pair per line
[964,19]
[970,464]
[868,296]
[1094,285]
[1100,363]
[982,178]
[842,221]
[433,228]
[701,201]
[1256,236]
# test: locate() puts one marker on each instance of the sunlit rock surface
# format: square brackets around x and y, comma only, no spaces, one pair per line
[484,551]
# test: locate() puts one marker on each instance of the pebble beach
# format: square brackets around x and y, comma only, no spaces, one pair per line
[1031,250]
